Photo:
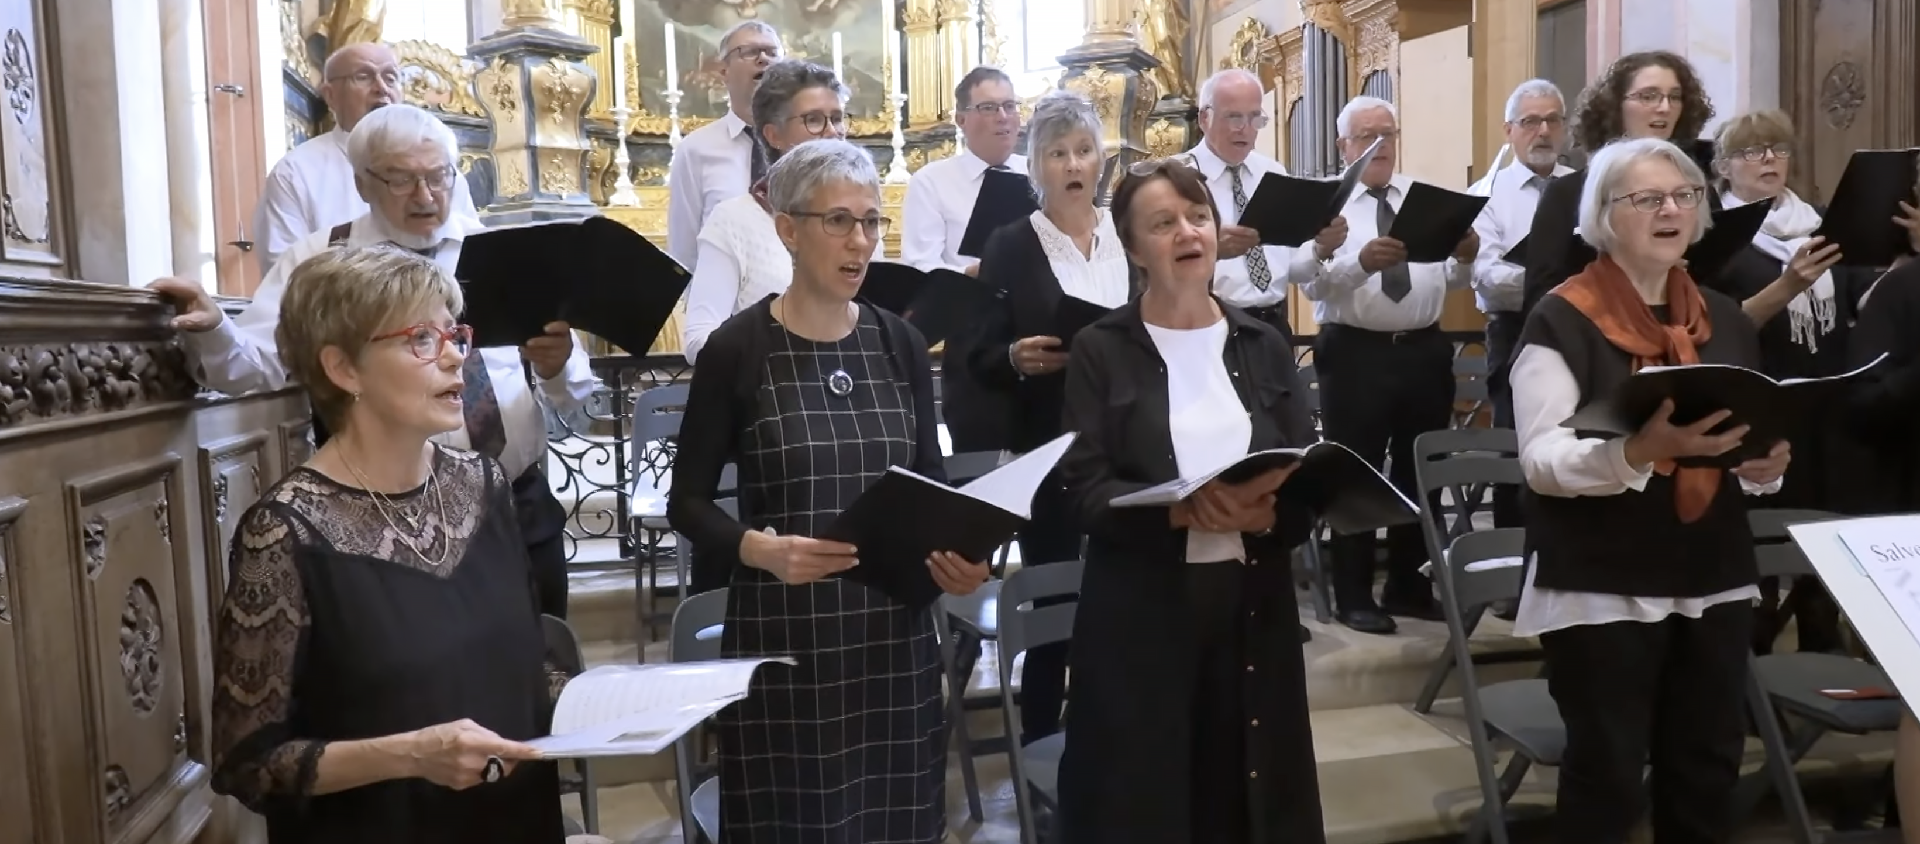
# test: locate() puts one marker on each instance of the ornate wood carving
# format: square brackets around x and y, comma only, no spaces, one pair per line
[1293,64]
[1846,72]
[1247,50]
[141,634]
[436,78]
[53,380]
[29,152]
[231,470]
[1842,93]
[119,793]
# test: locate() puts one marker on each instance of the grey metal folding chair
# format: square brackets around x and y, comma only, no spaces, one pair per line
[1519,713]
[657,412]
[695,636]
[965,623]
[1469,388]
[1790,713]
[1024,625]
[563,647]
[1463,465]
[1312,553]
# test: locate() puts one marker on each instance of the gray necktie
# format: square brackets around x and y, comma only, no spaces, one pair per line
[1395,281]
[1257,270]
[1538,182]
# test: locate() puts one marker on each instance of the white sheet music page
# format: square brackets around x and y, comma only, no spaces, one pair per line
[1012,486]
[1888,551]
[1177,490]
[620,710]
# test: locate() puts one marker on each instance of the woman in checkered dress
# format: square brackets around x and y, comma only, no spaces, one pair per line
[814,396]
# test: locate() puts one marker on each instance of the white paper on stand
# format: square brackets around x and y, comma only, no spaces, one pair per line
[639,710]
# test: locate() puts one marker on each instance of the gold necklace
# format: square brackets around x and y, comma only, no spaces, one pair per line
[380,502]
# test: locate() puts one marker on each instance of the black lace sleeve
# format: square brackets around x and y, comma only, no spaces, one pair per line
[259,637]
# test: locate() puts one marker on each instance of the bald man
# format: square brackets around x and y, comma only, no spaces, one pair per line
[312,188]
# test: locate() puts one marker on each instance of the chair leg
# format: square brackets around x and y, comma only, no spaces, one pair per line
[950,645]
[1322,578]
[683,773]
[589,798]
[1443,665]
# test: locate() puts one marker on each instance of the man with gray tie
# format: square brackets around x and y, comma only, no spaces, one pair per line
[1386,370]
[1250,276]
[1537,134]
[715,162]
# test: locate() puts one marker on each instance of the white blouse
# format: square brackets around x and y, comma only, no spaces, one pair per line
[741,262]
[1210,426]
[1101,278]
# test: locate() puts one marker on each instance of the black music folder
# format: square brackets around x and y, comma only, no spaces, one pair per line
[1860,215]
[1071,314]
[1005,197]
[939,302]
[1516,255]
[1432,221]
[1775,410]
[1731,231]
[594,274]
[899,521]
[1332,482]
[1289,211]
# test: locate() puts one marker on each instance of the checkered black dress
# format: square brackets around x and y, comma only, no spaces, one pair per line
[845,748]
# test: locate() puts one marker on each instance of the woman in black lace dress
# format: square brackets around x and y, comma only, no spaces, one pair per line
[378,656]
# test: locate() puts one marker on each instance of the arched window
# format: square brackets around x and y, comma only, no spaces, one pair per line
[1045,30]
[442,22]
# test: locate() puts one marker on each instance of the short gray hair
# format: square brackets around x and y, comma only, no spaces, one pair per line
[749,25]
[808,167]
[1344,123]
[397,128]
[1056,115]
[1241,74]
[1532,88]
[1609,167]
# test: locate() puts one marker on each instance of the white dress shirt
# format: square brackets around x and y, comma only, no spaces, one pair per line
[713,164]
[939,203]
[1347,295]
[1557,462]
[1287,264]
[1502,224]
[240,355]
[312,189]
[1210,427]
[741,262]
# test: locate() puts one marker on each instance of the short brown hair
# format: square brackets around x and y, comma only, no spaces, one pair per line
[1753,129]
[963,92]
[1596,120]
[345,297]
[1177,171]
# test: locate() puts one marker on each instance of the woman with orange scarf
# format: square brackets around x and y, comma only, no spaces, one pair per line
[1642,571]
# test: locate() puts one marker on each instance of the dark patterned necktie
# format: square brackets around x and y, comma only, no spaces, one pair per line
[1395,281]
[486,430]
[1257,270]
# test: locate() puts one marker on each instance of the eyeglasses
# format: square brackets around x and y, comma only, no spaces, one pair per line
[1237,121]
[1153,166]
[1760,152]
[1651,98]
[1369,138]
[426,341]
[405,184]
[817,121]
[1534,122]
[755,51]
[1651,201]
[841,223]
[1010,108]
[365,78]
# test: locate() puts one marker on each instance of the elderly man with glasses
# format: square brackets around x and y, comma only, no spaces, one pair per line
[715,162]
[311,189]
[403,165]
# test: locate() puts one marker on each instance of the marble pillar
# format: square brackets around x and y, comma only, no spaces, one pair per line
[116,142]
[183,56]
[1734,45]
[536,87]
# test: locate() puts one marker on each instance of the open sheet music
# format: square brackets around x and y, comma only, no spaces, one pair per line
[1289,210]
[1332,482]
[899,521]
[637,710]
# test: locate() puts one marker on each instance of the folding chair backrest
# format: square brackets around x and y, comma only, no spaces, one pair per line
[1310,382]
[1774,548]
[1024,626]
[695,616]
[1470,378]
[1466,457]
[657,413]
[1496,577]
[968,465]
[562,646]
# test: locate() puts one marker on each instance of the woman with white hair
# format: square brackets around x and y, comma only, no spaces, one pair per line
[740,260]
[1067,248]
[813,396]
[1642,569]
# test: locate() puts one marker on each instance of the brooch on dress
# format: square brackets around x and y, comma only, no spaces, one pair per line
[839,383]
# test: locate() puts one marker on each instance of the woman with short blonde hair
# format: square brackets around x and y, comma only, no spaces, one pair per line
[378,659]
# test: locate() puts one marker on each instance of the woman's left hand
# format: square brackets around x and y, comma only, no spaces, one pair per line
[1766,470]
[955,575]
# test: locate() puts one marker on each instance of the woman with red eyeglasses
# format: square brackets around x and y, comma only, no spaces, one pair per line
[378,655]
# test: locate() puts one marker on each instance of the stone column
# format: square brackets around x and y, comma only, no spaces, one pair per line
[959,39]
[536,86]
[1734,45]
[928,87]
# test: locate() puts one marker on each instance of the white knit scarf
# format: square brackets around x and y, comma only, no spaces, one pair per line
[1788,227]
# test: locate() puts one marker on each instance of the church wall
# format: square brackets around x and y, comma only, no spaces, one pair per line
[1436,107]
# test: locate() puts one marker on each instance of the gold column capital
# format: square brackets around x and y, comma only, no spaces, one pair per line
[543,14]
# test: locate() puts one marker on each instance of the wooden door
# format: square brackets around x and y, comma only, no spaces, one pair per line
[234,130]
[1847,76]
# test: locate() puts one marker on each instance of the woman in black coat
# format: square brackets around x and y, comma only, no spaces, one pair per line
[1160,389]
[1067,248]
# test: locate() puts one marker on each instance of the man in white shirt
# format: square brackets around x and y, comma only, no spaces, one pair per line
[311,188]
[1250,276]
[716,162]
[1537,135]
[404,160]
[1385,369]
[938,205]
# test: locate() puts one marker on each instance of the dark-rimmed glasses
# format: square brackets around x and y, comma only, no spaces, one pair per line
[1650,201]
[841,223]
[755,51]
[427,341]
[404,184]
[816,122]
[1652,99]
[1011,108]
[1759,152]
[1533,122]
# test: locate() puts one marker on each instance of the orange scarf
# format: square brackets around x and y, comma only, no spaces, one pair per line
[1604,295]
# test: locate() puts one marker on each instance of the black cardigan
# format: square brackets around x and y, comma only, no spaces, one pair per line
[1554,252]
[1884,404]
[723,404]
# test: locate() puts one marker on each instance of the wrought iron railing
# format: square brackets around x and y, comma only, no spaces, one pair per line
[592,463]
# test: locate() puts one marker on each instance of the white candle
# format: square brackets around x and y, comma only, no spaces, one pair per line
[893,52]
[673,61]
[618,67]
[836,58]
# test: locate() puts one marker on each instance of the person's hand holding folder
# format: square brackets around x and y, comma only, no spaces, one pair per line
[1761,471]
[1246,507]
[955,574]
[796,560]
[1037,355]
[548,353]
[1660,443]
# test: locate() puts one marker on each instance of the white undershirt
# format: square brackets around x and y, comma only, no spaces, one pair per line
[1210,426]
